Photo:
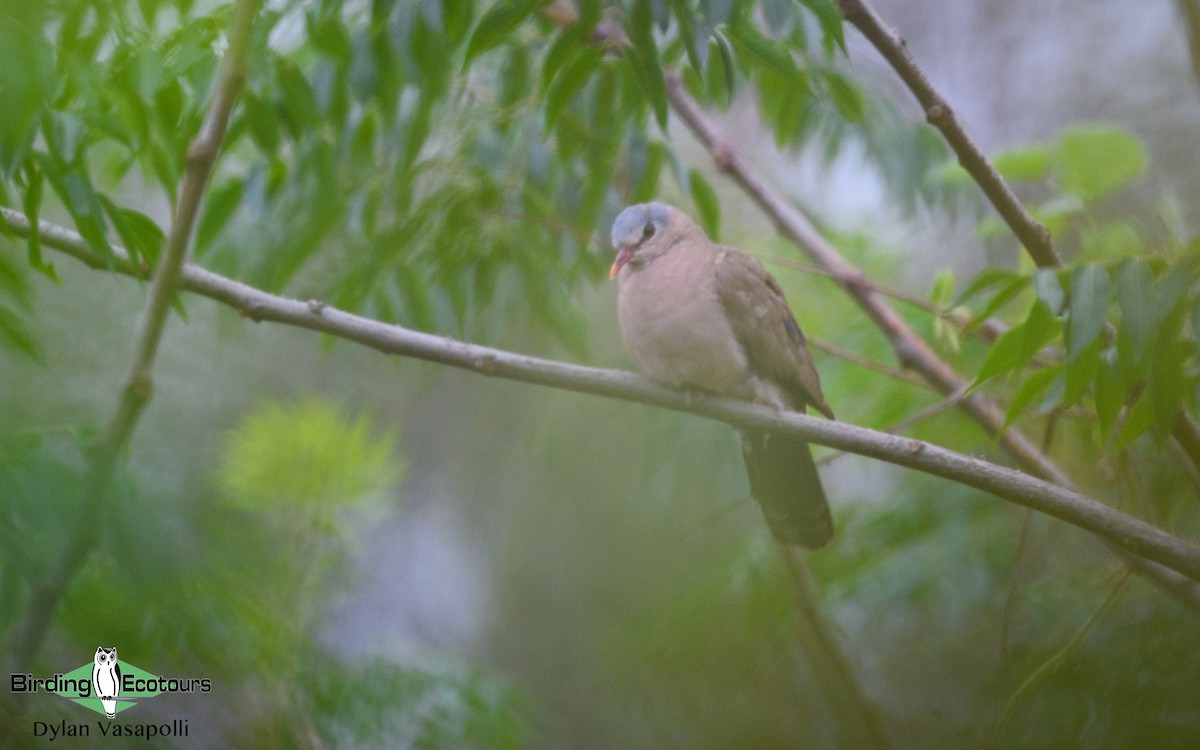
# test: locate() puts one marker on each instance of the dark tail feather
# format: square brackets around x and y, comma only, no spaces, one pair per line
[784,480]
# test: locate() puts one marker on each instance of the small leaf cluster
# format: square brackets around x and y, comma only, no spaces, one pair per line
[1117,330]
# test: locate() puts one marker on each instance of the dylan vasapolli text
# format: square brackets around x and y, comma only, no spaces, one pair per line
[52,731]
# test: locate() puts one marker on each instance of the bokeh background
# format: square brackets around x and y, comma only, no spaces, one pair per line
[369,551]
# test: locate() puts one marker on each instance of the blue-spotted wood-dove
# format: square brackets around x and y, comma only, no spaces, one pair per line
[698,315]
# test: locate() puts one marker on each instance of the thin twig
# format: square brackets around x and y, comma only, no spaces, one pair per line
[1057,658]
[828,655]
[1124,531]
[104,454]
[902,376]
[895,429]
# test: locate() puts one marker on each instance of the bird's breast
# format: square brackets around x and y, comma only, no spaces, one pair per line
[676,330]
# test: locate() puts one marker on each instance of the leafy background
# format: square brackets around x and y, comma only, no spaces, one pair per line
[364,552]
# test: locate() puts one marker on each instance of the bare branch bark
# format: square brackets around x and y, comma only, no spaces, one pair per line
[1032,233]
[911,350]
[1124,531]
[104,454]
[1190,10]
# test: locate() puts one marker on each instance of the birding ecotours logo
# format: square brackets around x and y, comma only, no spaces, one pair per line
[106,685]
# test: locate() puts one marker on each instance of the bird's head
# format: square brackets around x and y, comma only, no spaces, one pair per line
[646,231]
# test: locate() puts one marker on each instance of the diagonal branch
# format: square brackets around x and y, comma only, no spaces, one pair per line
[1120,529]
[911,350]
[859,712]
[1029,231]
[104,454]
[1032,233]
[1190,10]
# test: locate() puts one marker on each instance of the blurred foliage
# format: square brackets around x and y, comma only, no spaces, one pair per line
[239,594]
[448,165]
[1114,332]
[303,455]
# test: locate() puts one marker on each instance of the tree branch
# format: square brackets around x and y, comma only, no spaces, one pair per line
[1190,10]
[911,350]
[1124,531]
[859,712]
[1032,233]
[104,453]
[1029,231]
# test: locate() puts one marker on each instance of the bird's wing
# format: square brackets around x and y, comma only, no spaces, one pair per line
[764,326]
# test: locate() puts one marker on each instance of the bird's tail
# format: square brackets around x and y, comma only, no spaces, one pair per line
[784,480]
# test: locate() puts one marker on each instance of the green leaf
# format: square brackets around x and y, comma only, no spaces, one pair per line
[84,205]
[65,135]
[26,83]
[1110,241]
[646,186]
[719,79]
[456,18]
[943,288]
[142,237]
[1080,372]
[987,278]
[1108,392]
[1135,297]
[830,18]
[1095,160]
[515,76]
[12,279]
[143,234]
[299,105]
[1141,417]
[766,54]
[568,82]
[1006,293]
[496,25]
[1031,388]
[1090,295]
[644,56]
[219,205]
[847,95]
[1015,349]
[328,34]
[707,204]
[32,204]
[362,142]
[693,34]
[563,48]
[1168,381]
[15,333]
[1049,289]
[1174,287]
[1023,164]
[263,122]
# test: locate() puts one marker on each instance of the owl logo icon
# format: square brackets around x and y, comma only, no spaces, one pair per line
[106,679]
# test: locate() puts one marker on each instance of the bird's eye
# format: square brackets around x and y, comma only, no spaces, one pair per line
[647,231]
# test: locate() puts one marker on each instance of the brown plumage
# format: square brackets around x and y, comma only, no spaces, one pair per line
[695,314]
